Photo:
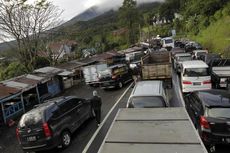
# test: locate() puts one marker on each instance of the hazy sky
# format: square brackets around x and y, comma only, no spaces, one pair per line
[73,7]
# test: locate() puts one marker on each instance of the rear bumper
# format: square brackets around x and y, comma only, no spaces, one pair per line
[209,138]
[186,89]
[109,84]
[39,146]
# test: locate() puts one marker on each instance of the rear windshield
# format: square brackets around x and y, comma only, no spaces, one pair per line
[201,53]
[184,58]
[193,72]
[167,41]
[219,112]
[30,119]
[148,102]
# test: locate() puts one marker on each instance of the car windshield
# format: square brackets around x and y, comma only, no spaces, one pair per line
[184,58]
[201,53]
[148,102]
[31,118]
[219,112]
[167,41]
[193,72]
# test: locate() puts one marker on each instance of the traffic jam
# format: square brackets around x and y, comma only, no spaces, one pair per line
[152,73]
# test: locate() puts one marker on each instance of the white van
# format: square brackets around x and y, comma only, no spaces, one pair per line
[148,94]
[168,42]
[195,76]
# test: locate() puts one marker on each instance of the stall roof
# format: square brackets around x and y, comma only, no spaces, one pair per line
[15,84]
[66,73]
[6,91]
[48,70]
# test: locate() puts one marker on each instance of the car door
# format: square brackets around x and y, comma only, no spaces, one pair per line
[197,109]
[82,110]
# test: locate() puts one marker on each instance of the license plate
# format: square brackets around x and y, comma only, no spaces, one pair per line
[223,85]
[196,83]
[31,138]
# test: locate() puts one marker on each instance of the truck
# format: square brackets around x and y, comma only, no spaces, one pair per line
[91,73]
[220,73]
[152,130]
[157,66]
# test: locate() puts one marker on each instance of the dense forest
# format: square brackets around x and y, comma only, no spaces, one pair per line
[207,22]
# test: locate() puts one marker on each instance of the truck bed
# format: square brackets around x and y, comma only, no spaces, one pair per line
[154,130]
[156,66]
[221,71]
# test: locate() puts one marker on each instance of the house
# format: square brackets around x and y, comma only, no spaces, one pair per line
[58,50]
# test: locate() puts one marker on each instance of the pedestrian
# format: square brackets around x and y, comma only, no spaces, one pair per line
[96,105]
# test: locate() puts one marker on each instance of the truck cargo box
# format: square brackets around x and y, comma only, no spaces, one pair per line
[154,130]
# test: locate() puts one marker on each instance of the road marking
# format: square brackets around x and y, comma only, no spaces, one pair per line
[103,122]
[179,89]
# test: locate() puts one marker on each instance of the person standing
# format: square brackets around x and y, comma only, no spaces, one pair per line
[96,105]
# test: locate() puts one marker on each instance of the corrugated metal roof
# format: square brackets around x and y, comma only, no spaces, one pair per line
[6,91]
[66,73]
[34,77]
[48,70]
[24,79]
[14,84]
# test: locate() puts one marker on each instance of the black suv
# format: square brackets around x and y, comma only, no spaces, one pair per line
[210,113]
[115,76]
[51,124]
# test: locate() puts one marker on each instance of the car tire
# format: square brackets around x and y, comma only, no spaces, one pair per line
[65,139]
[120,85]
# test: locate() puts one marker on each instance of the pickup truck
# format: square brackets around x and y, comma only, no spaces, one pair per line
[220,73]
[152,130]
[157,66]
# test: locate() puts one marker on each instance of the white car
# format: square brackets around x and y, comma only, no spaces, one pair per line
[195,76]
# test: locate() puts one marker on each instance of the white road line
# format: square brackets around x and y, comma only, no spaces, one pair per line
[179,89]
[103,122]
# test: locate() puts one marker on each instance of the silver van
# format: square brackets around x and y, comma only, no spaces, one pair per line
[148,94]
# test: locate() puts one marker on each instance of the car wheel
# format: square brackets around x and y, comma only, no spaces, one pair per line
[65,139]
[120,85]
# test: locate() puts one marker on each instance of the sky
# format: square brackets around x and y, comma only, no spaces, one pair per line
[72,8]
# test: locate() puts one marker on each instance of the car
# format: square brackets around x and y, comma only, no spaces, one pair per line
[52,123]
[210,112]
[194,76]
[192,45]
[115,76]
[148,94]
[209,58]
[179,58]
[197,53]
[168,43]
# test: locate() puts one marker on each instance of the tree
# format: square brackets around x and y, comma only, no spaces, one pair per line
[27,24]
[130,17]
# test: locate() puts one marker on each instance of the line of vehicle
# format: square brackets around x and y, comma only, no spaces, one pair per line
[103,122]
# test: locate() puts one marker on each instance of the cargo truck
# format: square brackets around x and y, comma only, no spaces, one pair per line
[157,66]
[91,73]
[152,130]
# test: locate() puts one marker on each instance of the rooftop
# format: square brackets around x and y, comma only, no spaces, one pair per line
[148,88]
[215,97]
[194,64]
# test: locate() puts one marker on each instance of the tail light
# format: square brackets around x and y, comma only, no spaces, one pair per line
[17,134]
[204,123]
[207,82]
[187,82]
[114,76]
[47,130]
